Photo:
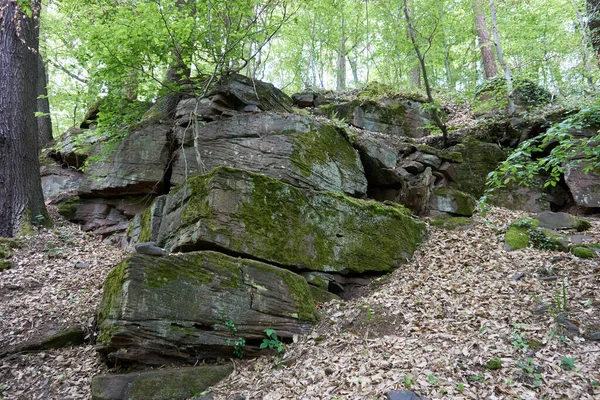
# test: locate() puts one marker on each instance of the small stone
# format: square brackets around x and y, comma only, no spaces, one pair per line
[518,276]
[328,371]
[81,265]
[595,336]
[150,248]
[540,309]
[403,395]
[547,278]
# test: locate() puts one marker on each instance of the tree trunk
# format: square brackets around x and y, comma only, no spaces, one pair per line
[43,105]
[487,53]
[415,77]
[21,199]
[583,25]
[505,67]
[179,71]
[593,12]
[435,112]
[341,60]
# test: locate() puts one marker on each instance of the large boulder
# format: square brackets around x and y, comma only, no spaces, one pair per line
[136,166]
[452,201]
[197,306]
[585,188]
[479,159]
[262,218]
[295,149]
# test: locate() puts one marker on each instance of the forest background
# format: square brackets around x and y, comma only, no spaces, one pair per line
[134,53]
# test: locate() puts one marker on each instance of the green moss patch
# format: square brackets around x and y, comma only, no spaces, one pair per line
[68,209]
[583,252]
[451,223]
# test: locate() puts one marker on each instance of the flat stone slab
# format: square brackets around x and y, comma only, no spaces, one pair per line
[176,384]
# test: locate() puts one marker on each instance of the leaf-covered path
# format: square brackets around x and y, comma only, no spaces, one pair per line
[432,326]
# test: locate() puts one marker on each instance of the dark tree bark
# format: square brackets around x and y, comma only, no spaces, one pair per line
[43,105]
[593,11]
[505,67]
[490,69]
[21,199]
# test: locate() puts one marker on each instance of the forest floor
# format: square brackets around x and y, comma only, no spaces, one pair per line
[455,322]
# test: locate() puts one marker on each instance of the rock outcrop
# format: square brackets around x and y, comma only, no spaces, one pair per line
[195,306]
[295,149]
[264,219]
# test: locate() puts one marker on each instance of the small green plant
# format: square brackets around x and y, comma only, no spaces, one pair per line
[567,363]
[408,381]
[460,387]
[477,378]
[272,342]
[519,340]
[236,342]
[431,379]
[493,364]
[530,370]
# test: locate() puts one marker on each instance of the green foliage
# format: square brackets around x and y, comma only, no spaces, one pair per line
[567,363]
[530,371]
[272,342]
[238,343]
[529,93]
[549,154]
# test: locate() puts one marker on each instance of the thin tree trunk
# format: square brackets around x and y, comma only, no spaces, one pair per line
[435,112]
[490,69]
[583,25]
[446,51]
[505,67]
[43,105]
[593,12]
[341,60]
[21,199]
[354,67]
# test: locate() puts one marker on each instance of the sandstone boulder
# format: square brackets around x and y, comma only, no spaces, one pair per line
[585,188]
[295,149]
[137,165]
[262,218]
[452,201]
[195,306]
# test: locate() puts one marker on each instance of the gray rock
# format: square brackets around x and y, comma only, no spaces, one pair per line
[176,309]
[452,201]
[412,167]
[583,187]
[430,160]
[298,150]
[518,276]
[164,384]
[135,167]
[262,218]
[417,191]
[560,220]
[595,336]
[81,265]
[150,248]
[403,395]
[479,159]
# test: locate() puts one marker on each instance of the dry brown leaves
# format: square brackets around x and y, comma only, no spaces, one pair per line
[45,289]
[435,324]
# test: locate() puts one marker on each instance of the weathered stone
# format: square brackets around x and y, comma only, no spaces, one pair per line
[452,201]
[415,195]
[379,160]
[169,384]
[451,223]
[479,160]
[392,115]
[448,170]
[231,96]
[48,336]
[595,336]
[61,185]
[262,218]
[403,395]
[585,188]
[159,310]
[73,148]
[295,149]
[412,167]
[135,167]
[304,100]
[426,159]
[150,248]
[560,220]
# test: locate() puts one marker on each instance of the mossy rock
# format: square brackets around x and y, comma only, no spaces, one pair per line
[452,201]
[580,225]
[68,209]
[5,251]
[526,232]
[491,94]
[145,315]
[12,243]
[517,235]
[583,252]
[452,223]
[262,218]
[494,364]
[5,264]
[322,296]
[164,384]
